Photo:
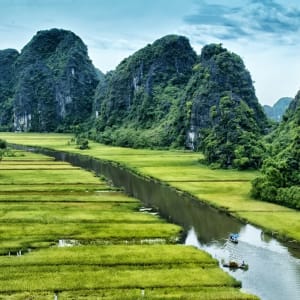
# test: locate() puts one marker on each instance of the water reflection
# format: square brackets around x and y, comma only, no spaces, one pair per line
[273,272]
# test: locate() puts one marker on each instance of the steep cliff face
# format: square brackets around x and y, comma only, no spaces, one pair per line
[56,82]
[142,96]
[164,95]
[7,83]
[225,116]
[218,74]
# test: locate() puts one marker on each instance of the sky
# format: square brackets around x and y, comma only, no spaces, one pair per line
[265,33]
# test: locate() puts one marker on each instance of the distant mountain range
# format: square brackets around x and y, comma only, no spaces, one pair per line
[276,111]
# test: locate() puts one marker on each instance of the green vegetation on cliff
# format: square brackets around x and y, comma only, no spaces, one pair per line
[7,83]
[226,118]
[234,139]
[55,83]
[138,104]
[162,96]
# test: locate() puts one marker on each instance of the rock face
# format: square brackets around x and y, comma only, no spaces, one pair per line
[8,58]
[220,73]
[138,103]
[55,83]
[276,111]
[164,95]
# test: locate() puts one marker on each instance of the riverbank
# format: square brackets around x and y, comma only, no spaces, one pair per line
[228,190]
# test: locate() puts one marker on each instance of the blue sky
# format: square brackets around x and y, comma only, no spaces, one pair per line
[266,33]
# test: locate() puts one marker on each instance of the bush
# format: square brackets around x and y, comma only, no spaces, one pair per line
[3,144]
[82,143]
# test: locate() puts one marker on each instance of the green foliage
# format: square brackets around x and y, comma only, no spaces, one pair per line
[54,83]
[82,143]
[3,144]
[7,82]
[156,95]
[232,142]
[139,104]
[3,148]
[225,114]
[281,171]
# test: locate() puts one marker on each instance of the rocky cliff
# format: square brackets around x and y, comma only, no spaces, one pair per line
[220,73]
[138,103]
[225,118]
[164,95]
[55,83]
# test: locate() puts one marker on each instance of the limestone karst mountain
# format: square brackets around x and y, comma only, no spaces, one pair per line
[55,82]
[163,95]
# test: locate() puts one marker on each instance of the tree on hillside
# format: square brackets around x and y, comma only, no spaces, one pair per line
[280,180]
[3,147]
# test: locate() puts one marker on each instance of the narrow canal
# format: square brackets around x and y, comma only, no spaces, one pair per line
[274,268]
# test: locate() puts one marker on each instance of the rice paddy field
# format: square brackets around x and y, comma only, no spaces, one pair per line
[225,189]
[66,234]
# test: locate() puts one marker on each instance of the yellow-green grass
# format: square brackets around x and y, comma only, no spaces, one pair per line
[88,231]
[51,213]
[122,255]
[39,208]
[70,278]
[52,188]
[118,251]
[102,194]
[186,293]
[50,176]
[227,189]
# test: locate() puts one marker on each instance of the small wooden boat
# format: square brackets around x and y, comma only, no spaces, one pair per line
[233,237]
[235,265]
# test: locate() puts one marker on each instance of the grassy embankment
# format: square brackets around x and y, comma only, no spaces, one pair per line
[227,189]
[118,250]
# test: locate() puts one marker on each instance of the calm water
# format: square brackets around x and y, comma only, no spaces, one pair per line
[274,268]
[274,273]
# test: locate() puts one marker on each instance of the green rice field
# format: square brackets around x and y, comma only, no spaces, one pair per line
[67,233]
[226,189]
